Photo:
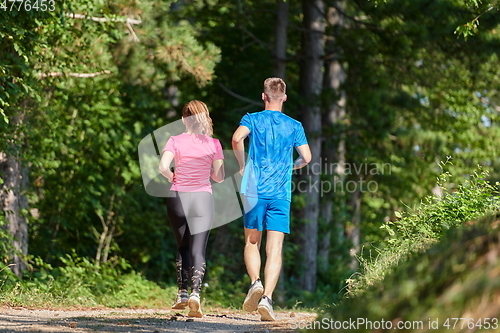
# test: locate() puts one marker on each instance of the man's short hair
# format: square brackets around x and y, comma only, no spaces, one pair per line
[275,88]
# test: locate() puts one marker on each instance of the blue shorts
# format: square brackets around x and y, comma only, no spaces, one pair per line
[267,214]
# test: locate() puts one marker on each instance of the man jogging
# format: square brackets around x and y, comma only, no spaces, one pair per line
[266,188]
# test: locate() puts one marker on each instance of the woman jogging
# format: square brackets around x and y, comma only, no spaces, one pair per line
[197,158]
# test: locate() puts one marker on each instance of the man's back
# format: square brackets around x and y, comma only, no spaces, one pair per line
[266,187]
[273,137]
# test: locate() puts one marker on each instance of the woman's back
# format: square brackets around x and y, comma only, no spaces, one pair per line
[193,157]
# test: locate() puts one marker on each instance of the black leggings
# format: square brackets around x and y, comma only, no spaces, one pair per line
[191,215]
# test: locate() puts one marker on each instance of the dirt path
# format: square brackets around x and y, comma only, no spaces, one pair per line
[144,320]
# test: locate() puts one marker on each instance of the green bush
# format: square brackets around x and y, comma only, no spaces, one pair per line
[468,201]
[82,282]
[440,262]
[418,228]
[5,238]
[456,277]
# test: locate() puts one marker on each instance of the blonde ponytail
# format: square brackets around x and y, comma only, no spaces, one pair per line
[198,117]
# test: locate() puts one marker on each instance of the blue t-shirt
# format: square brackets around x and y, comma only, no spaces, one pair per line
[273,138]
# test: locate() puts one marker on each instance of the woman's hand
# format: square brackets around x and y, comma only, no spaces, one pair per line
[218,171]
[164,166]
[170,177]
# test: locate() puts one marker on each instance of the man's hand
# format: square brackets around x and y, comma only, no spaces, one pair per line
[304,157]
[239,146]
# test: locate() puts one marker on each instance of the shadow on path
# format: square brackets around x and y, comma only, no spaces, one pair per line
[147,321]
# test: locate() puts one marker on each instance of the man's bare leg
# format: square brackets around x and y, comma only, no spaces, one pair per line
[274,245]
[252,261]
[251,254]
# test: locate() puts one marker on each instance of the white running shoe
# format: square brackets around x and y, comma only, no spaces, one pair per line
[266,309]
[194,306]
[253,296]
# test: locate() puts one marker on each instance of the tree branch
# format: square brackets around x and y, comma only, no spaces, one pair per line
[248,100]
[252,36]
[132,32]
[488,102]
[359,19]
[104,19]
[244,108]
[84,75]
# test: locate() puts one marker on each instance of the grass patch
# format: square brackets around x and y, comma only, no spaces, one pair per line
[82,283]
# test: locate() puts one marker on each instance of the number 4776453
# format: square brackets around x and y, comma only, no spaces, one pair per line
[27,5]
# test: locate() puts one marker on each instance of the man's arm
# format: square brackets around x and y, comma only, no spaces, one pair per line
[239,145]
[304,157]
[164,167]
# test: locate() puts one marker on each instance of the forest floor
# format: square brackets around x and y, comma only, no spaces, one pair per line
[16,319]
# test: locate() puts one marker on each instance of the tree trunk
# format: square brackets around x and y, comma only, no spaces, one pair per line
[310,86]
[14,205]
[109,224]
[333,202]
[280,38]
[280,44]
[353,231]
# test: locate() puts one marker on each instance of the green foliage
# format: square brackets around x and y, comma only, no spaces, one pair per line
[18,37]
[82,282]
[470,28]
[418,228]
[452,207]
[435,107]
[467,29]
[84,91]
[5,239]
[222,291]
[456,277]
[83,136]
